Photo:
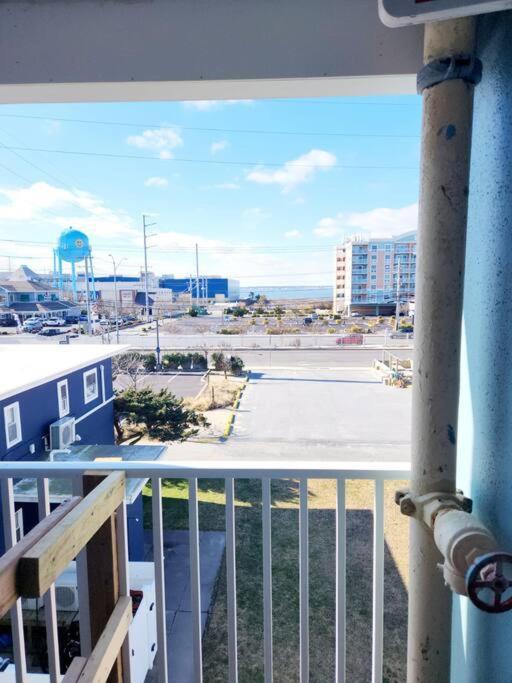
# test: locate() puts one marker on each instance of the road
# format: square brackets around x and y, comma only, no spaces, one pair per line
[315,358]
[318,415]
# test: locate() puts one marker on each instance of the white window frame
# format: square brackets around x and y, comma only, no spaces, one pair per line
[88,373]
[16,407]
[63,410]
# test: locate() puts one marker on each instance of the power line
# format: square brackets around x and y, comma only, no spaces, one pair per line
[244,131]
[143,157]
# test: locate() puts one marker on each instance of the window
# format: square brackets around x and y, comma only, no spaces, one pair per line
[12,424]
[63,397]
[90,385]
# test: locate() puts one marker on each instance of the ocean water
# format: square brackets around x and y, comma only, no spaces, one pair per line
[289,292]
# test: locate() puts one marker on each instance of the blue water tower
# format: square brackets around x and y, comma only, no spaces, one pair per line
[73,247]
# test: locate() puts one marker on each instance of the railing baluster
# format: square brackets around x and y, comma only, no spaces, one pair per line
[231,580]
[82,577]
[158,559]
[16,614]
[124,580]
[304,581]
[50,604]
[195,582]
[341,563]
[267,580]
[378,581]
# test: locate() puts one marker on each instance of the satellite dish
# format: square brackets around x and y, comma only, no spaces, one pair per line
[406,12]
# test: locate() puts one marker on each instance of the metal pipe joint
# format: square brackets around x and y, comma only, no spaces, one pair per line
[473,565]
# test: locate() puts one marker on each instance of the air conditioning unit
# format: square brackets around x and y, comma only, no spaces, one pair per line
[62,433]
[66,595]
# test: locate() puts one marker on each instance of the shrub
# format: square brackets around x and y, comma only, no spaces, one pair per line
[172,361]
[236,365]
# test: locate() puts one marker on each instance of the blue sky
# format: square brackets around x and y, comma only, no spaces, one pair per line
[265,187]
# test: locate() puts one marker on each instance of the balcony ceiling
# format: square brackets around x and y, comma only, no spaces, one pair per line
[92,50]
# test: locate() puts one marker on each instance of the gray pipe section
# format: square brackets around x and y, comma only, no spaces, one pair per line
[446,143]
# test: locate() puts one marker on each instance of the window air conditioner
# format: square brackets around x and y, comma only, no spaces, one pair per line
[62,433]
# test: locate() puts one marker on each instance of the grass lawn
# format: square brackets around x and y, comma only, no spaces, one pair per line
[285,544]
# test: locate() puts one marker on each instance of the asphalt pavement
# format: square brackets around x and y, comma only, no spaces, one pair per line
[316,415]
[183,385]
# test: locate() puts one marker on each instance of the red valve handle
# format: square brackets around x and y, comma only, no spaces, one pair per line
[488,573]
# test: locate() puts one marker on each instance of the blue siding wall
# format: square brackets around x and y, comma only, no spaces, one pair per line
[39,408]
[481,648]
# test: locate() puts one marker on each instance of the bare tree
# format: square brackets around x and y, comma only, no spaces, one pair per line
[129,365]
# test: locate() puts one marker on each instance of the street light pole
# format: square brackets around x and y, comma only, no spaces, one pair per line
[116,312]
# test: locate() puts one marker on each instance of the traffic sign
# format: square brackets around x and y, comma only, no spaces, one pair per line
[405,12]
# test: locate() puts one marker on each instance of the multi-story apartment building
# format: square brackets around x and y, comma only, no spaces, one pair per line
[371,274]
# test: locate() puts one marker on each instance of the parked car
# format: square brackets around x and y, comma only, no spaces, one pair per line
[71,320]
[308,321]
[104,322]
[32,326]
[355,314]
[54,322]
[51,331]
[8,322]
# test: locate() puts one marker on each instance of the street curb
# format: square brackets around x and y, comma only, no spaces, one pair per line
[236,403]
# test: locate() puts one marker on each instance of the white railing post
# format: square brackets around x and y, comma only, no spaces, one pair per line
[82,577]
[158,559]
[195,582]
[341,562]
[378,582]
[121,524]
[18,637]
[267,580]
[50,604]
[304,580]
[231,580]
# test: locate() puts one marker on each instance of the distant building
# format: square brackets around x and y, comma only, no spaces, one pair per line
[131,293]
[210,287]
[24,294]
[372,273]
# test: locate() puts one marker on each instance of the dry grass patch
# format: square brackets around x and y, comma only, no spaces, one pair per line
[220,392]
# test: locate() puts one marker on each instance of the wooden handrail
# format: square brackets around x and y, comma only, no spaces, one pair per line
[74,670]
[100,663]
[10,560]
[40,565]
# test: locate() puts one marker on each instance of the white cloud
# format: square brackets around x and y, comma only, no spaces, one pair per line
[292,234]
[208,105]
[218,146]
[294,172]
[161,140]
[381,222]
[156,181]
[74,207]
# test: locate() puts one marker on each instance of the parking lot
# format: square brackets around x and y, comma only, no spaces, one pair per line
[181,384]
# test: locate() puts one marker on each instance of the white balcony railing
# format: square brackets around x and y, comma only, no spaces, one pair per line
[264,471]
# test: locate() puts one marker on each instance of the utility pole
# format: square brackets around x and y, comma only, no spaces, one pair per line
[88,296]
[116,310]
[197,275]
[398,292]
[445,159]
[145,235]
[158,364]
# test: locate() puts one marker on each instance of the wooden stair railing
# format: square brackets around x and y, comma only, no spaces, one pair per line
[32,566]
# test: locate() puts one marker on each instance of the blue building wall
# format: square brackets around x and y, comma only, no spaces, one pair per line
[482,643]
[39,407]
[216,285]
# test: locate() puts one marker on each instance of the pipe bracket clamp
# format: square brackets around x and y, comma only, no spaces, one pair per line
[466,68]
[426,508]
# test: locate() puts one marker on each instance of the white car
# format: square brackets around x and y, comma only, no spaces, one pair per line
[54,322]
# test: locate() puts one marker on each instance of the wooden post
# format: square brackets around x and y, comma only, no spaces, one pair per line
[103,577]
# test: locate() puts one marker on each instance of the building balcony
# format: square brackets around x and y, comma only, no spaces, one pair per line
[110,604]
